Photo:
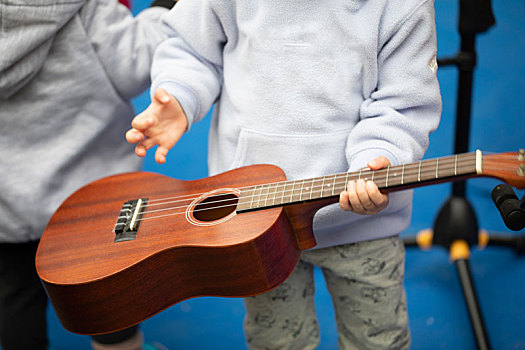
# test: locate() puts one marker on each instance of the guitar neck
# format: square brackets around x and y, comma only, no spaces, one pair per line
[389,179]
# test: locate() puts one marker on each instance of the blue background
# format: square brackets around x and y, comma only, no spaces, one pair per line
[438,314]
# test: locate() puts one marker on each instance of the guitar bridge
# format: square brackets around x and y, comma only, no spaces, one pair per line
[129,219]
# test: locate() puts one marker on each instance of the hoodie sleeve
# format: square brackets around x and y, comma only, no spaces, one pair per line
[124,44]
[189,64]
[405,107]
[27,30]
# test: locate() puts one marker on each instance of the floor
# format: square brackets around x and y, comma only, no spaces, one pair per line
[437,310]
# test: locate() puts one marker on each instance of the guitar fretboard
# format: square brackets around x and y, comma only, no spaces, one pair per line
[390,178]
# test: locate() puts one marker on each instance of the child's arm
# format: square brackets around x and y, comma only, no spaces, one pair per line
[363,197]
[161,124]
[404,107]
[124,44]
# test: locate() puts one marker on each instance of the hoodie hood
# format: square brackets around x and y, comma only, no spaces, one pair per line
[25,38]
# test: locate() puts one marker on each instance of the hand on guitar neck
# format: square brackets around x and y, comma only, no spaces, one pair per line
[363,196]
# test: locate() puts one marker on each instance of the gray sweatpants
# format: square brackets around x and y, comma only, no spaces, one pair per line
[365,281]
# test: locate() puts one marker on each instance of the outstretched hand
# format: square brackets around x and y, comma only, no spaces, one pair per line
[161,124]
[363,197]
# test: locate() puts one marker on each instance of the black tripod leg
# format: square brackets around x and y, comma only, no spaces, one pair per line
[459,252]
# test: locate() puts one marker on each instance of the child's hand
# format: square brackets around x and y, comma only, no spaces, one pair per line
[363,197]
[162,124]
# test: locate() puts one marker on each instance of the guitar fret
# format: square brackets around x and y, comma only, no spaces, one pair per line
[267,191]
[408,174]
[292,192]
[437,167]
[386,178]
[428,168]
[398,177]
[317,188]
[283,192]
[274,192]
[279,193]
[322,187]
[253,196]
[344,182]
[366,172]
[335,184]
[260,196]
[301,193]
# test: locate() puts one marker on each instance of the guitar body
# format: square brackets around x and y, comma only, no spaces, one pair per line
[172,258]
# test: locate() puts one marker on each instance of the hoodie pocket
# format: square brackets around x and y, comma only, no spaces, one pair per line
[299,155]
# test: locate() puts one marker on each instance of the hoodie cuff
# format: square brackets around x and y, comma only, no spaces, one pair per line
[186,98]
[361,159]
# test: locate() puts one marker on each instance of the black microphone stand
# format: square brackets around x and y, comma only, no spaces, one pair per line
[456,226]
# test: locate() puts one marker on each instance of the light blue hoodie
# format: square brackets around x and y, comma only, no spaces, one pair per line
[315,87]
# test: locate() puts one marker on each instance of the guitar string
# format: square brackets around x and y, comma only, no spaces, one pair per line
[352,176]
[218,207]
[407,166]
[340,186]
[273,195]
[364,173]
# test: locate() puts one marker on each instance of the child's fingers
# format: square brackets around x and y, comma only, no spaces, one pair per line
[162,96]
[344,202]
[134,136]
[160,154]
[379,163]
[140,150]
[148,143]
[379,199]
[363,196]
[353,197]
[143,121]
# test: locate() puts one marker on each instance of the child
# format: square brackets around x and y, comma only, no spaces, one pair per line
[315,87]
[68,71]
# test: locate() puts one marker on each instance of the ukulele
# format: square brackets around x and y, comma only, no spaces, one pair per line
[125,247]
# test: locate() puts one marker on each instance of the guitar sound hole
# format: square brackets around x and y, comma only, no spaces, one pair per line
[215,207]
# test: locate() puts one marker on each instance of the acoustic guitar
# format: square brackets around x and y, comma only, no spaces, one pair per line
[128,246]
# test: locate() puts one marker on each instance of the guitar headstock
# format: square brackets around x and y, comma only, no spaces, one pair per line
[508,167]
